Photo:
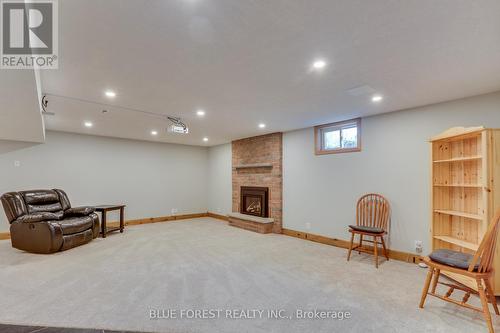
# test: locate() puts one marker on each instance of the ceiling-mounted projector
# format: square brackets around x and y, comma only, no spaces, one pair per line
[178,126]
[178,129]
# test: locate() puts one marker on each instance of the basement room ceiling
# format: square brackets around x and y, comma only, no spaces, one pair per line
[249,62]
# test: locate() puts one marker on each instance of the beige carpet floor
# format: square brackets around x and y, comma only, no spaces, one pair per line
[113,283]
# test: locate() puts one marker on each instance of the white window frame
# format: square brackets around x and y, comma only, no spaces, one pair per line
[319,137]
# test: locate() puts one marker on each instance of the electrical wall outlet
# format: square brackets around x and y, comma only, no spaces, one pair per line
[419,246]
[17,164]
[308,225]
[174,211]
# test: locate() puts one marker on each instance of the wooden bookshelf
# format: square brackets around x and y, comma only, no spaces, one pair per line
[465,162]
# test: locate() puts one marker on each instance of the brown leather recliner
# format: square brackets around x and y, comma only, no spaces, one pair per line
[42,221]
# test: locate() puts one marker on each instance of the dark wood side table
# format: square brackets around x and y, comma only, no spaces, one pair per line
[104,209]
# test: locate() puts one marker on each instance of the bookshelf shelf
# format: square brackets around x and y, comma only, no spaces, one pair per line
[460,214]
[458,242]
[460,185]
[460,159]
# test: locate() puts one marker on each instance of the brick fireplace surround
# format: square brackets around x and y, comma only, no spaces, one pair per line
[257,161]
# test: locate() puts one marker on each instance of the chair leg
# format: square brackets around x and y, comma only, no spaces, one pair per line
[491,295]
[435,281]
[360,242]
[426,287]
[375,250]
[350,246]
[484,302]
[385,249]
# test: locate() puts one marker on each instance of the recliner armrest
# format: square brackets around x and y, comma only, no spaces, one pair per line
[39,217]
[79,211]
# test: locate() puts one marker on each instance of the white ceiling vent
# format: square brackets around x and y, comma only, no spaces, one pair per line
[361,90]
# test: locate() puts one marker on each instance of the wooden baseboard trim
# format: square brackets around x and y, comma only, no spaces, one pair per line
[393,254]
[158,219]
[4,235]
[218,216]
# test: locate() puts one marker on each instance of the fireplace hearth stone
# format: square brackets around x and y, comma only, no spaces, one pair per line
[263,225]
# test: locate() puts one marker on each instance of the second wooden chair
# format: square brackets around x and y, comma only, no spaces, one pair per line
[477,267]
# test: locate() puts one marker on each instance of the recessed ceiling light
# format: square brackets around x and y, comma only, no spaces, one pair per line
[318,64]
[110,94]
[205,139]
[200,113]
[88,124]
[377,98]
[154,132]
[262,125]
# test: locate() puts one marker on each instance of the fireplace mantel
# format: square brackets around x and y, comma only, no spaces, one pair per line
[255,165]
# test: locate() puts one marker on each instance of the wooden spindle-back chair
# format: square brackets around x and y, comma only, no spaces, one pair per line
[372,219]
[480,269]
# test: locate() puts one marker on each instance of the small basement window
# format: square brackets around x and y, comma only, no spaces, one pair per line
[341,137]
